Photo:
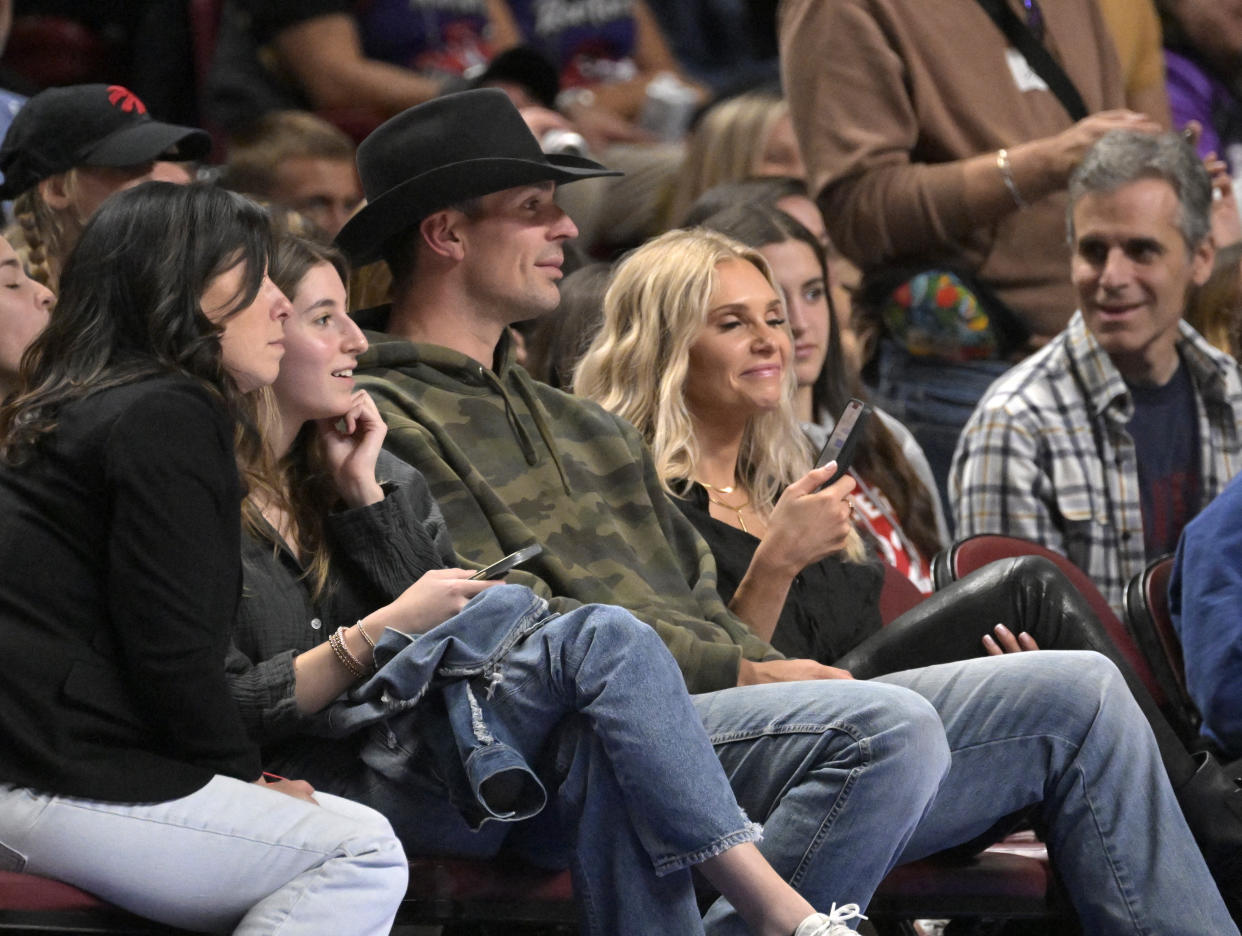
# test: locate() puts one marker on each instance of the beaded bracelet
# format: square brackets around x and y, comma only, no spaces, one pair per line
[348,660]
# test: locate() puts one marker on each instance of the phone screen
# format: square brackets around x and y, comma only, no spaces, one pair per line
[845,425]
[499,569]
[844,439]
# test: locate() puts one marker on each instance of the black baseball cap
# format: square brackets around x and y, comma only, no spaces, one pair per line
[88,125]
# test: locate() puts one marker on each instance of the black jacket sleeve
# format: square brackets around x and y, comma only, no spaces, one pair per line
[174,571]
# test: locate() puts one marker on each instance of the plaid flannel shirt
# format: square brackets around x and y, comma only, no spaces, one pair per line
[1046,455]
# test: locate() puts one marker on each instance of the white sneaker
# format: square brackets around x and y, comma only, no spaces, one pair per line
[831,923]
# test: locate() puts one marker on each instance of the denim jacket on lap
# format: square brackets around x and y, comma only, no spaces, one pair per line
[426,708]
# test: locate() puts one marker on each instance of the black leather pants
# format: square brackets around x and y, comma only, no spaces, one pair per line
[1028,593]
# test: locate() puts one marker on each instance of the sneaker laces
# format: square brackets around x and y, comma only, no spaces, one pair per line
[831,923]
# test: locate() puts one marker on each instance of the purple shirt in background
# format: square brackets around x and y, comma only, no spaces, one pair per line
[437,36]
[591,41]
[1195,94]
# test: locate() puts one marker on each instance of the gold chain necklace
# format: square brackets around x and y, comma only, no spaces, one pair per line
[741,521]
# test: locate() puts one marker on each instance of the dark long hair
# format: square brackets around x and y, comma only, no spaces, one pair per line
[879,459]
[129,305]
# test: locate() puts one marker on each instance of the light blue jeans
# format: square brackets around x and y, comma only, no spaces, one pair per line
[231,856]
[597,706]
[850,778]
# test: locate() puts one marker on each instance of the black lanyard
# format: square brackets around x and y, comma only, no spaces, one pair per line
[1036,55]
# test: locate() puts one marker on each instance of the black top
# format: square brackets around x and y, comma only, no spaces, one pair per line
[377,552]
[269,17]
[118,585]
[240,86]
[832,605]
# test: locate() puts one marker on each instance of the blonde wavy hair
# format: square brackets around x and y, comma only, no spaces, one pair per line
[636,367]
[725,146]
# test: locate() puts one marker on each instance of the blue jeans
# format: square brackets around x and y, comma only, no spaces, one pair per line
[848,778]
[933,398]
[1060,730]
[848,783]
[231,856]
[840,773]
[597,705]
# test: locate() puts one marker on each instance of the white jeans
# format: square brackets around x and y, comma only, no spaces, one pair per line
[231,856]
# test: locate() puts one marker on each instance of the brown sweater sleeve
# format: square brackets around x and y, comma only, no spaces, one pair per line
[889,97]
[860,144]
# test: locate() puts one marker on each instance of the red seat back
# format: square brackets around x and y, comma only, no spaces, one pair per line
[30,904]
[1010,880]
[28,892]
[897,595]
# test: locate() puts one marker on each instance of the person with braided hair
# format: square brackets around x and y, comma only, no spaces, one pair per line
[70,148]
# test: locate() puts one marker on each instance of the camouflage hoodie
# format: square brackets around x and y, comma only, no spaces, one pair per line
[513,462]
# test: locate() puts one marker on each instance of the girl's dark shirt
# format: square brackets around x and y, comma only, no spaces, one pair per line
[377,552]
[832,605]
[119,582]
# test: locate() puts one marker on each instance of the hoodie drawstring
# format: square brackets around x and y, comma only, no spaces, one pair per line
[541,423]
[519,431]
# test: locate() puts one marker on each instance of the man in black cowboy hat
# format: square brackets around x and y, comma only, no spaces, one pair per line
[847,777]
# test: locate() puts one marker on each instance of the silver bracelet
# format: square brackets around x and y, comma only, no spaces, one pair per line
[365,636]
[1006,171]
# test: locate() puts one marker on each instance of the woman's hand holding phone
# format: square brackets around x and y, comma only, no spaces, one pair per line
[429,602]
[351,445]
[808,524]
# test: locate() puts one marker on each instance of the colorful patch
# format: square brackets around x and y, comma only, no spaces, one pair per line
[935,314]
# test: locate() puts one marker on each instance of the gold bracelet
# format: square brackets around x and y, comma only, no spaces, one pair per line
[348,660]
[1006,171]
[365,636]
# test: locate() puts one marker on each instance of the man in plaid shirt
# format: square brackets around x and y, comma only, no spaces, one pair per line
[1105,443]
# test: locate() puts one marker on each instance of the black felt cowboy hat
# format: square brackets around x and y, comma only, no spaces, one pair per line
[88,125]
[447,150]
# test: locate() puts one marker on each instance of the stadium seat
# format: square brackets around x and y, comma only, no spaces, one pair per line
[1147,613]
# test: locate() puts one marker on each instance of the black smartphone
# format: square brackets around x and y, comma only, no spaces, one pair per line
[844,440]
[500,569]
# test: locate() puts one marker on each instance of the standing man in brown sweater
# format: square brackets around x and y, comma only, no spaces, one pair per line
[940,157]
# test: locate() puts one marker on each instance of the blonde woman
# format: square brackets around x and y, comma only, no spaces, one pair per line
[720,422]
[899,513]
[67,150]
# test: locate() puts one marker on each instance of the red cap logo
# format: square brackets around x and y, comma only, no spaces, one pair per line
[125,99]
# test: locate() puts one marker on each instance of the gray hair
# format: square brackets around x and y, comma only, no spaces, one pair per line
[1125,156]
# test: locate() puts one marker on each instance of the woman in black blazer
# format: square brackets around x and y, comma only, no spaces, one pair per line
[124,767]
